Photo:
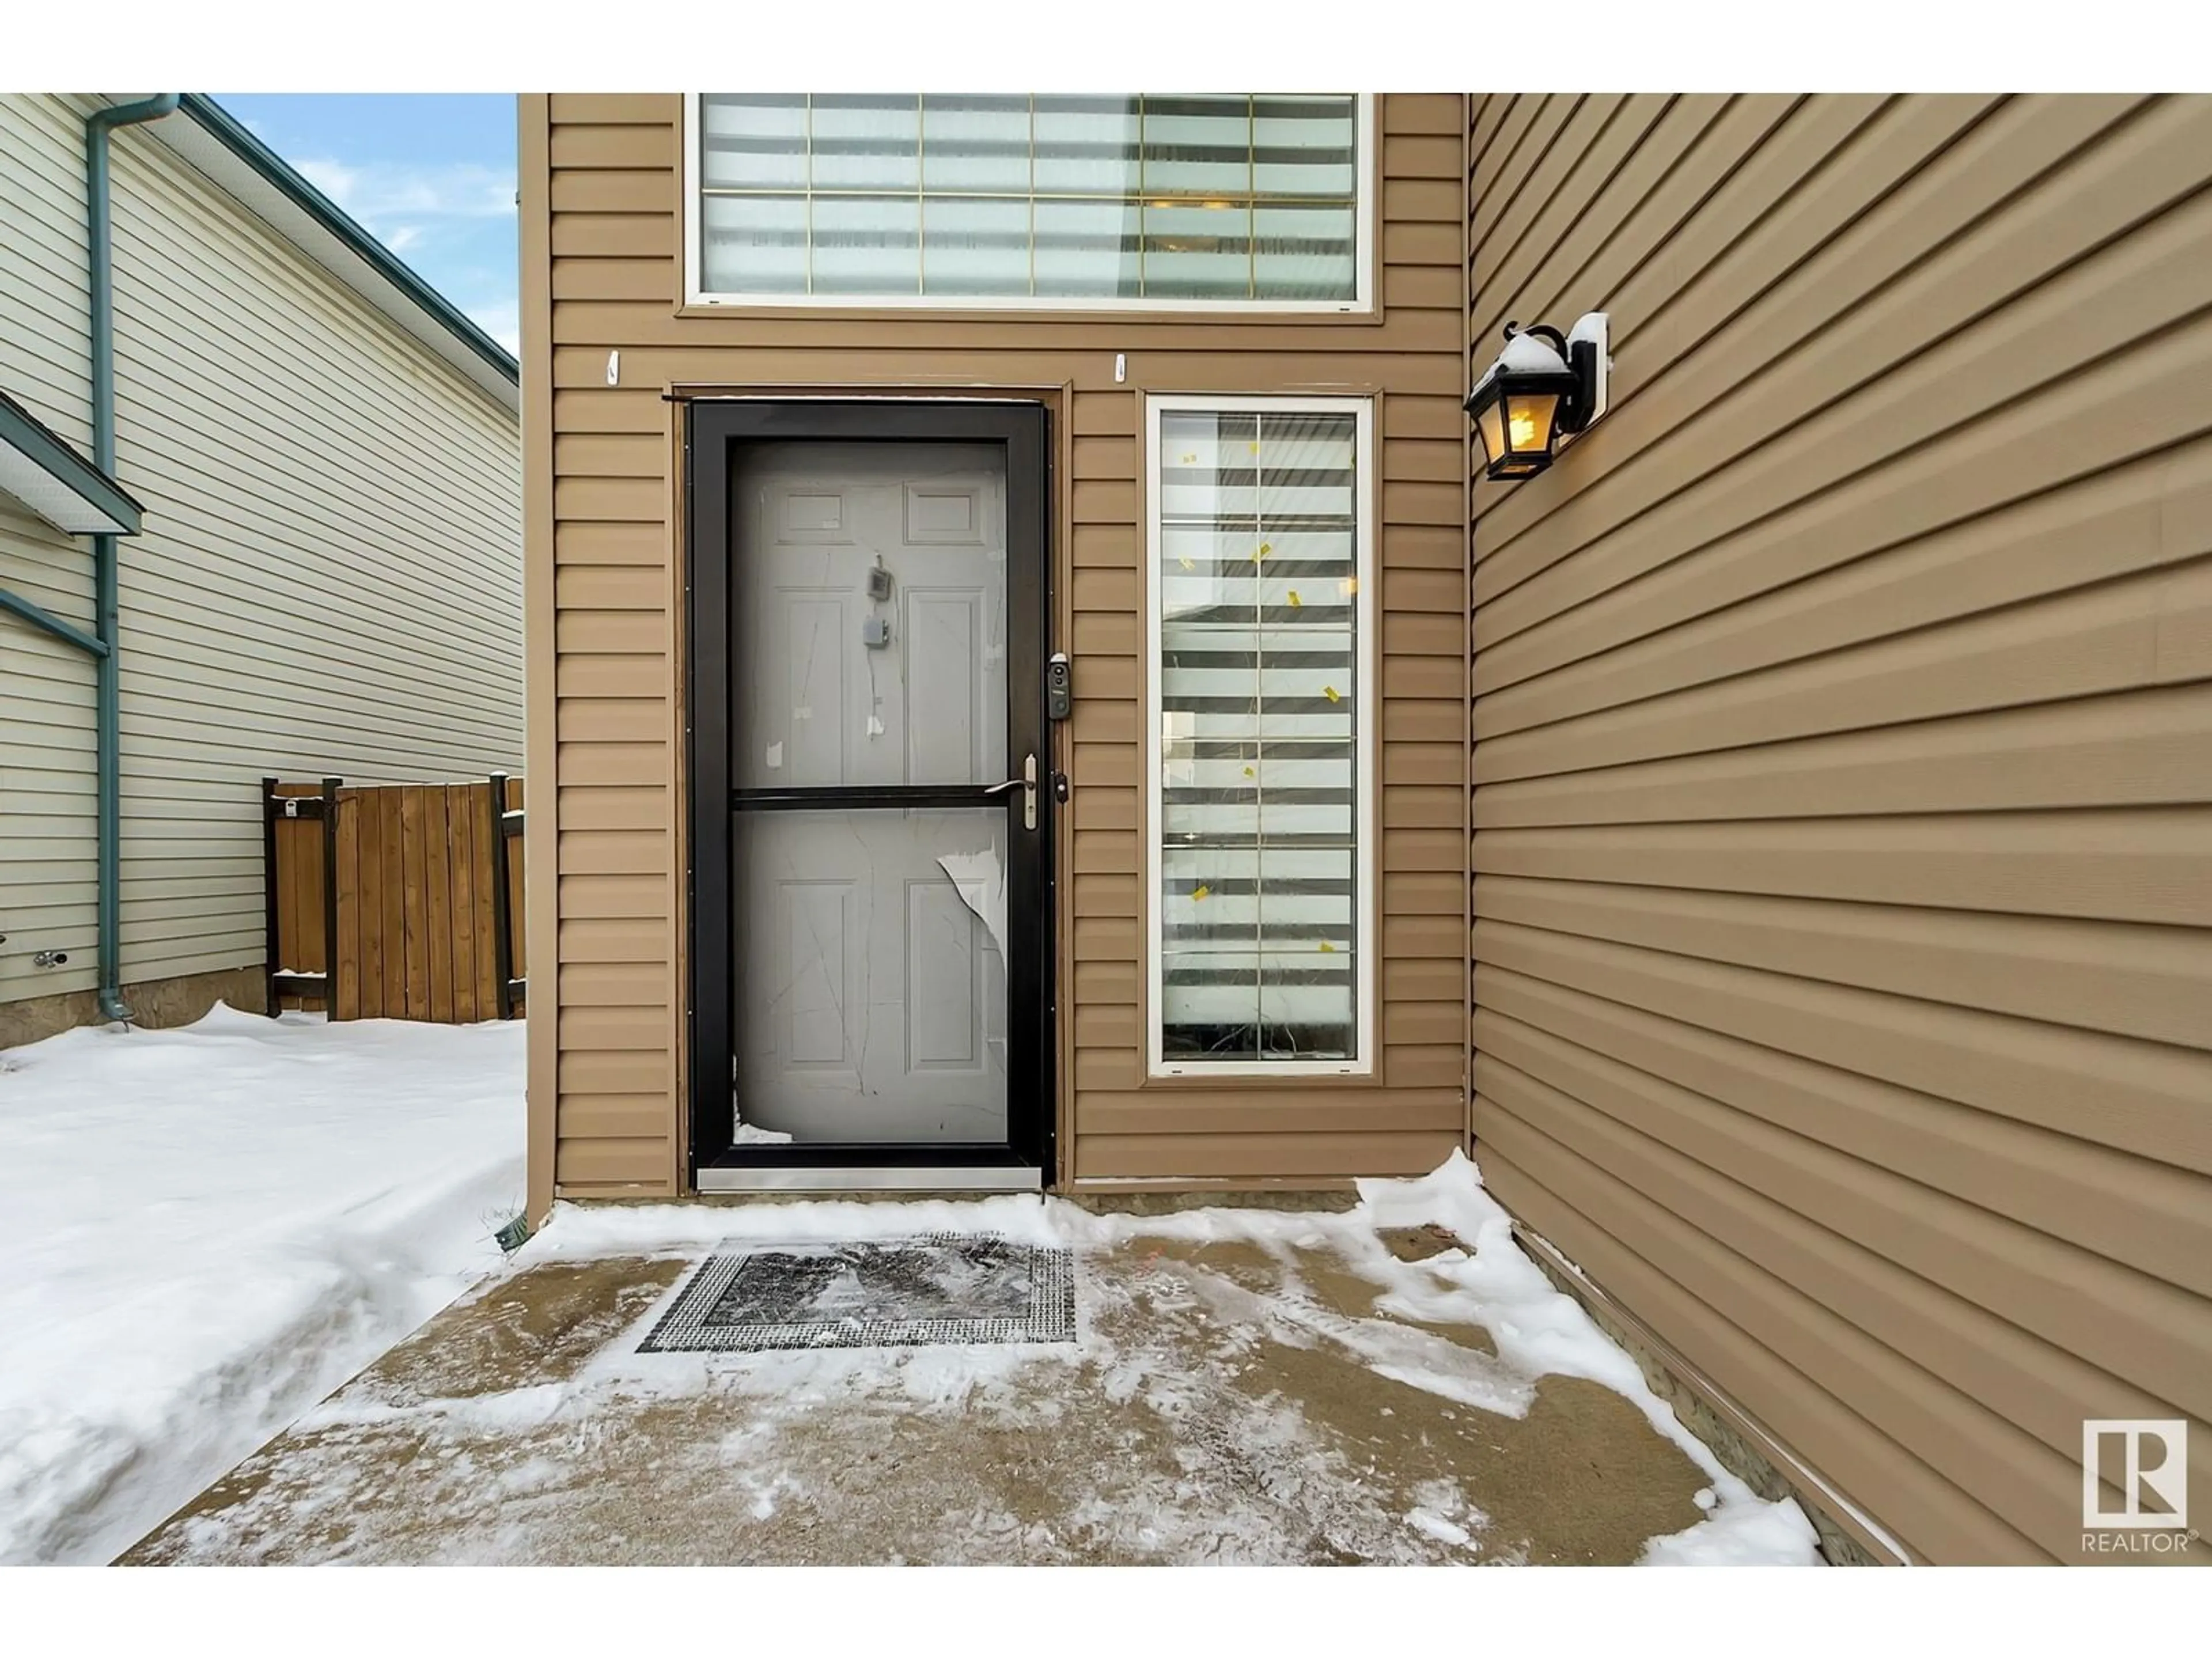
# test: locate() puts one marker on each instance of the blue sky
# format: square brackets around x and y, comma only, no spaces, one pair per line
[430,174]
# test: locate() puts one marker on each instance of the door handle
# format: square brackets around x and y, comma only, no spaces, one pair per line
[1027,783]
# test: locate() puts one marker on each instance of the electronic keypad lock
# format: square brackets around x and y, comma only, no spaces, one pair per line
[1059,687]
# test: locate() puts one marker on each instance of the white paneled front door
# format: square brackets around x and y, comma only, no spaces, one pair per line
[869,653]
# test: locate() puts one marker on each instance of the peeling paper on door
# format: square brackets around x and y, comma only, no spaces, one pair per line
[980,881]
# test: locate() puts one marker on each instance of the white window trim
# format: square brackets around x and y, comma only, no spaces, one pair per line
[1365,725]
[1366,232]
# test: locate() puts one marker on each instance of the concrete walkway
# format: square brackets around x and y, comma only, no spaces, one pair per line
[1249,1386]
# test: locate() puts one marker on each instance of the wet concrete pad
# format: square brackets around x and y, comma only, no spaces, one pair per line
[1227,1401]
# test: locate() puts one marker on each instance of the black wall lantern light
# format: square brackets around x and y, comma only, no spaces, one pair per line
[1544,386]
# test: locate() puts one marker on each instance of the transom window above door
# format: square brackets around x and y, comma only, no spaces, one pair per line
[1031,201]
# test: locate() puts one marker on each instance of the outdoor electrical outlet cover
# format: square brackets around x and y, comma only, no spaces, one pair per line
[1593,330]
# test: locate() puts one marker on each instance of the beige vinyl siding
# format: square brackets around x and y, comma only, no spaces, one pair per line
[46,773]
[329,582]
[1842,775]
[614,240]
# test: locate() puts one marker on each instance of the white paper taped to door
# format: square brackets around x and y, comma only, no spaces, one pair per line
[980,881]
[774,755]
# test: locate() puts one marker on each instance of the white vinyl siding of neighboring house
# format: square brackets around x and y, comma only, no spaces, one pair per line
[329,582]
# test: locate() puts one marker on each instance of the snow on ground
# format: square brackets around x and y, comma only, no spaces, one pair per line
[1536,1330]
[206,1229]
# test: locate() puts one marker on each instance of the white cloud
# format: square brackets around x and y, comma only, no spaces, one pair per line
[382,191]
[503,320]
[452,221]
[334,178]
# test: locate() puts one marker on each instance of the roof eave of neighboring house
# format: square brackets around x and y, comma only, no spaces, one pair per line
[218,145]
[42,471]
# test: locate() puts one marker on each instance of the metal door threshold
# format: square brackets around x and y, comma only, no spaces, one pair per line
[963,1178]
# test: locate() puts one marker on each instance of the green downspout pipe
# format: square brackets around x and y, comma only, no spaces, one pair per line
[106,605]
[16,605]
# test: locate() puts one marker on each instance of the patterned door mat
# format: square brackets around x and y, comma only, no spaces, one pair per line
[942,1289]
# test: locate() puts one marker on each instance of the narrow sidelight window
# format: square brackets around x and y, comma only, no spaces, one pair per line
[1259,735]
[1031,201]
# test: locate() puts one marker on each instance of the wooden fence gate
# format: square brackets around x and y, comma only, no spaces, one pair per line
[420,887]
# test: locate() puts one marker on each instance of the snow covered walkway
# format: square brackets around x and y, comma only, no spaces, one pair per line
[1392,1382]
[203,1232]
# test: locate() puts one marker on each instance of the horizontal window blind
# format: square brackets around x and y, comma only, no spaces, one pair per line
[1225,197]
[1261,771]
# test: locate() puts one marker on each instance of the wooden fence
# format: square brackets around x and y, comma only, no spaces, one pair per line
[419,886]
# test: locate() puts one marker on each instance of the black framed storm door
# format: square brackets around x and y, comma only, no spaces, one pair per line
[871,793]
